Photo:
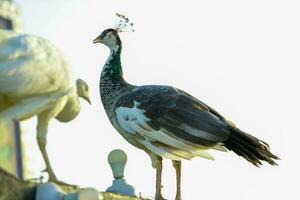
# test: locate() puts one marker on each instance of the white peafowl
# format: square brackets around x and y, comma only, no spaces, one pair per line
[36,80]
[167,122]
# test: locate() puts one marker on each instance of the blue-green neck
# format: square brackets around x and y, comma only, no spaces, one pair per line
[112,83]
[113,63]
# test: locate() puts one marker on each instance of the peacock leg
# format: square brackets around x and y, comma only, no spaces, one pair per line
[158,195]
[42,128]
[177,166]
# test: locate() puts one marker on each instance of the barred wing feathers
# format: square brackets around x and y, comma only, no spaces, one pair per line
[170,123]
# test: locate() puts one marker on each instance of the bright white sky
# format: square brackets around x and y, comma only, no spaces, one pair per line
[240,57]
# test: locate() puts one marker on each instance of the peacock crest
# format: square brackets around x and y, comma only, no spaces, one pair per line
[123,24]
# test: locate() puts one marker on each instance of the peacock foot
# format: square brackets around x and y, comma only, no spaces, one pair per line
[159,197]
[54,179]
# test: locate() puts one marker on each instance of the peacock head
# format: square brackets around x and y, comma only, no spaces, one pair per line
[83,90]
[110,37]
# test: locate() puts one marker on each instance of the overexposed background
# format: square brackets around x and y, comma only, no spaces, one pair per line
[240,57]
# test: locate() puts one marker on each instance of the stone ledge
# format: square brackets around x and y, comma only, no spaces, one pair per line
[11,188]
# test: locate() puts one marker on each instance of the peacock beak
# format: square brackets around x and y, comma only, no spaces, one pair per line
[97,40]
[87,99]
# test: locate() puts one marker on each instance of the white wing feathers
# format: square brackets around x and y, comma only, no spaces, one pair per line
[133,121]
[30,106]
[29,65]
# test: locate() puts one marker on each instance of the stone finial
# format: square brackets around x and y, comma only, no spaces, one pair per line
[84,194]
[117,160]
[51,191]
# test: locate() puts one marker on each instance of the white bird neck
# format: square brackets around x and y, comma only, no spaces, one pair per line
[71,109]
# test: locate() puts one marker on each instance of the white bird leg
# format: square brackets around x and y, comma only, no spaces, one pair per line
[42,128]
[177,166]
[158,195]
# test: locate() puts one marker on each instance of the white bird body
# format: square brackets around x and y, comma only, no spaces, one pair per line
[35,79]
[29,65]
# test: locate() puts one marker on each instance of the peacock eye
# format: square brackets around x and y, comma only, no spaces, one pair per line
[102,35]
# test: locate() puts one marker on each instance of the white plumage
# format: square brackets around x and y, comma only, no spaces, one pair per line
[133,121]
[36,80]
[31,64]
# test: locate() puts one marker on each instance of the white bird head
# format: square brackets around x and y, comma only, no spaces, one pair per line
[83,90]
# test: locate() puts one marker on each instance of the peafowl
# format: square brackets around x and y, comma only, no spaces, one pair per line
[167,122]
[35,80]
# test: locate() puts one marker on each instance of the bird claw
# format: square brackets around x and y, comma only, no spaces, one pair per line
[36,180]
[44,170]
[52,178]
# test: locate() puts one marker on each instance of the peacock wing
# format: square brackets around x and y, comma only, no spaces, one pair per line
[168,119]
